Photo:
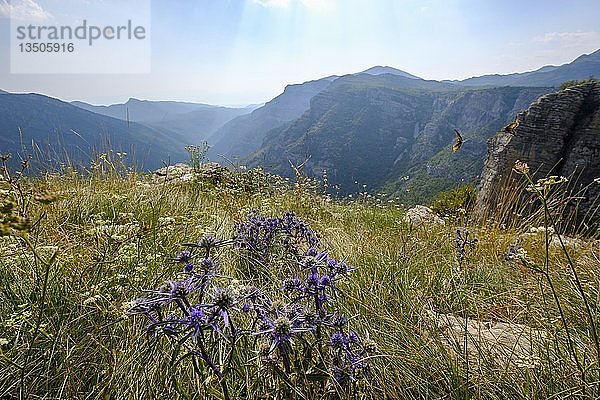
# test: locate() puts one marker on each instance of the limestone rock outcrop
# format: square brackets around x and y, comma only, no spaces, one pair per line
[507,343]
[179,172]
[558,135]
[210,172]
[422,215]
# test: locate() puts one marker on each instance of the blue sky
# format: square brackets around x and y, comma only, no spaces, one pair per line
[246,51]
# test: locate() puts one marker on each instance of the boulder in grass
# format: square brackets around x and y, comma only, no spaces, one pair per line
[179,172]
[568,241]
[422,215]
[506,343]
[212,173]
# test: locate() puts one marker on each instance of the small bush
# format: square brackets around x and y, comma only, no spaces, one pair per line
[456,202]
[569,84]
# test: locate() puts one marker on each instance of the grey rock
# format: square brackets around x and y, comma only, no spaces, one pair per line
[421,215]
[506,343]
[179,172]
[210,172]
[568,241]
[558,135]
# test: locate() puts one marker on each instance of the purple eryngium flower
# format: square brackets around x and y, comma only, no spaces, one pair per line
[206,318]
[462,242]
[259,235]
[184,257]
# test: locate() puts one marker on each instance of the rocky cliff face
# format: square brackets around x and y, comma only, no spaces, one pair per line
[393,134]
[244,134]
[558,135]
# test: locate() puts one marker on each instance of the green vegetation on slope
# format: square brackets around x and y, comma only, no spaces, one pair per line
[568,84]
[378,130]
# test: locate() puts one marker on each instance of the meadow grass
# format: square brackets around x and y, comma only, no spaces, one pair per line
[65,283]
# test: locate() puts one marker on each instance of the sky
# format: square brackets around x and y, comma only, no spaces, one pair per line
[234,52]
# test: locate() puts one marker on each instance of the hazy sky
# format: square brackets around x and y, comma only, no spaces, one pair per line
[246,51]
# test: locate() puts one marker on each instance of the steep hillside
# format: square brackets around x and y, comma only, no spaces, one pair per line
[243,135]
[431,166]
[61,131]
[393,132]
[581,68]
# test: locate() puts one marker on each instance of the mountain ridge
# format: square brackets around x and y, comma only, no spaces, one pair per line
[582,67]
[194,122]
[382,127]
[380,70]
[244,134]
[144,110]
[60,130]
[376,134]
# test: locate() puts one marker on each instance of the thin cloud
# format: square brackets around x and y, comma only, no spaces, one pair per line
[273,3]
[562,37]
[316,5]
[557,48]
[23,10]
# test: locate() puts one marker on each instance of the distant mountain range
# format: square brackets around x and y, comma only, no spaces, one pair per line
[194,122]
[581,68]
[382,127]
[58,132]
[389,129]
[144,110]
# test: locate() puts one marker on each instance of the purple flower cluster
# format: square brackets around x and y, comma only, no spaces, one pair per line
[259,235]
[193,311]
[187,315]
[463,241]
[309,321]
[321,273]
[515,252]
[294,330]
[349,355]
